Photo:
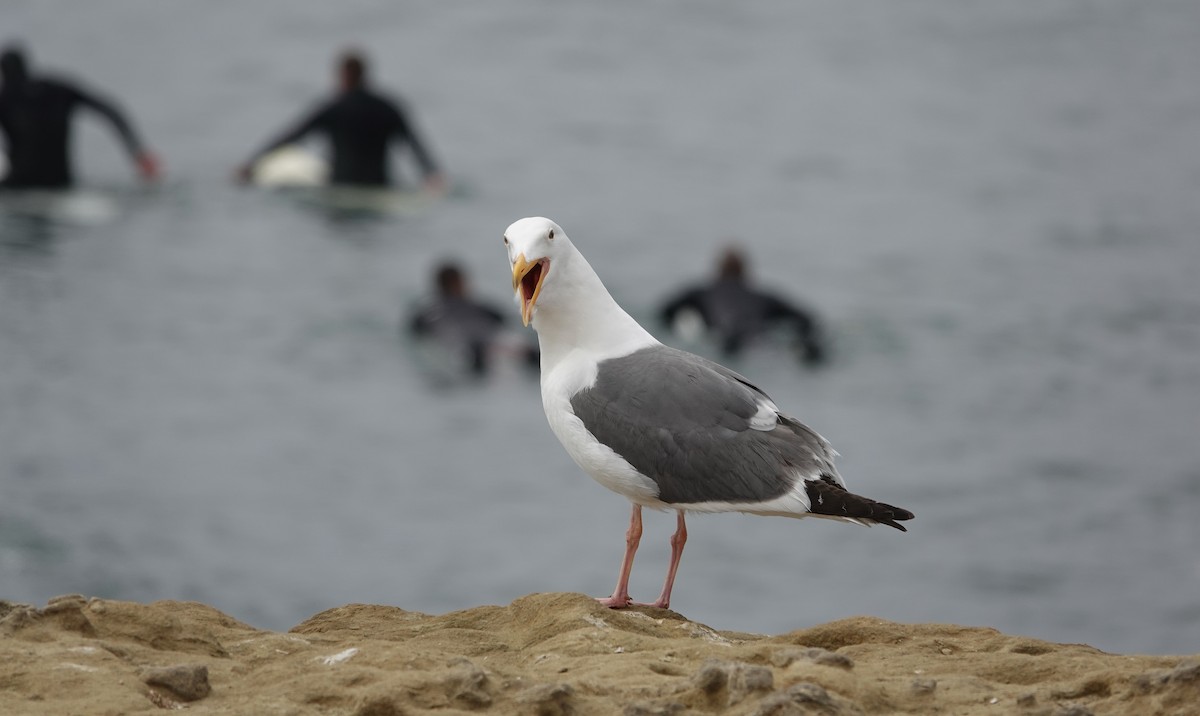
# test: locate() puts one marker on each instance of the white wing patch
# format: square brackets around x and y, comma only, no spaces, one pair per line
[766,418]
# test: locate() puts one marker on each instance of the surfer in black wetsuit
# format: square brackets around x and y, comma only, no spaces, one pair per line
[456,321]
[360,124]
[35,119]
[735,313]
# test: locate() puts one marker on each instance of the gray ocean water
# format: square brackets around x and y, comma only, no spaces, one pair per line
[994,206]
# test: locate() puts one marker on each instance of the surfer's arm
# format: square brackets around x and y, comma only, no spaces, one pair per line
[146,161]
[418,325]
[293,134]
[114,116]
[807,330]
[690,298]
[496,317]
[406,133]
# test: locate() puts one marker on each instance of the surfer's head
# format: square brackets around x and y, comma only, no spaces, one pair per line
[352,70]
[12,66]
[731,266]
[450,280]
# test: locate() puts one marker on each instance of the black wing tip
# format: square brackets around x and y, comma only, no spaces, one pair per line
[889,516]
[891,520]
[827,497]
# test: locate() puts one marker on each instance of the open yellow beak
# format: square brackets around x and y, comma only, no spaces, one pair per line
[528,278]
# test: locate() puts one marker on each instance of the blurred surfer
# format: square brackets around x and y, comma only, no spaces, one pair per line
[360,124]
[465,326]
[456,321]
[735,313]
[35,119]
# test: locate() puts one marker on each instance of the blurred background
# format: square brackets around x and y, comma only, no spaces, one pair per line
[206,392]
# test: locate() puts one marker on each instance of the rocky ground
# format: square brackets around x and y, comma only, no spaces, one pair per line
[551,654]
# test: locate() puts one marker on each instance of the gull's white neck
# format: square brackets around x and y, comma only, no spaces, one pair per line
[578,314]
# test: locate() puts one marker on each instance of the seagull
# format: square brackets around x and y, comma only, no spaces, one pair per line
[665,428]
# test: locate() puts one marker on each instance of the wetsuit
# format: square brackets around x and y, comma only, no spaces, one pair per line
[360,124]
[35,119]
[460,324]
[736,313]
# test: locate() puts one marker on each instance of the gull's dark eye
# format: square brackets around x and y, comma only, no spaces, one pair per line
[551,236]
[506,241]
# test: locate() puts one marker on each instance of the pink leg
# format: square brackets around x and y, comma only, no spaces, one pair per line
[620,595]
[677,541]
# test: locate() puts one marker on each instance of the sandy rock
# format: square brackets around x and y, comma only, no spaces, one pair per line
[468,684]
[548,699]
[732,681]
[817,655]
[187,682]
[671,708]
[553,654]
[802,699]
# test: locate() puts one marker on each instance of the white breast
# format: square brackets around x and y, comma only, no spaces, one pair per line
[570,375]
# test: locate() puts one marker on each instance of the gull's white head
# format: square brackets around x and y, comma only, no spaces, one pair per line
[536,248]
[563,298]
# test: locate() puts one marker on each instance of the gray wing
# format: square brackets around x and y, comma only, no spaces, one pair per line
[685,422]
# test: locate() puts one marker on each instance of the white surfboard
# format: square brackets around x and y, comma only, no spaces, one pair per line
[70,207]
[290,166]
[305,175]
